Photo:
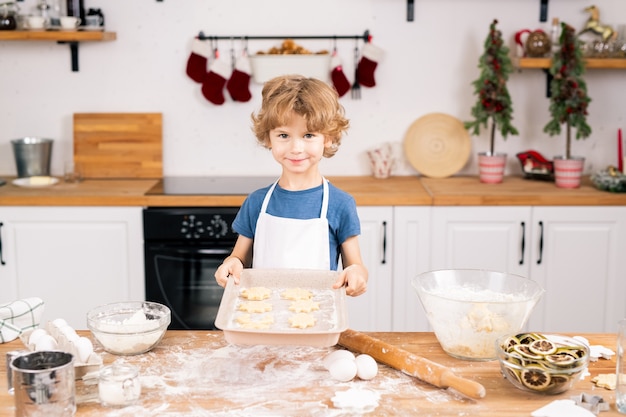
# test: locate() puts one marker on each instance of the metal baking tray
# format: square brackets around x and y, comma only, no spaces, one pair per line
[331,318]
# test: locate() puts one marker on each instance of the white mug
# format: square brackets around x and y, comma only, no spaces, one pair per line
[69,22]
[36,22]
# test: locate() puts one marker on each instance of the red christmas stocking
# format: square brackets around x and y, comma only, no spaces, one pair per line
[371,56]
[339,79]
[197,61]
[214,81]
[239,82]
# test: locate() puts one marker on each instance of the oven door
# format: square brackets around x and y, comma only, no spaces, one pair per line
[182,277]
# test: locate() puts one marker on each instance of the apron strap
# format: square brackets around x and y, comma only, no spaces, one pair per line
[268,195]
[324,200]
[323,212]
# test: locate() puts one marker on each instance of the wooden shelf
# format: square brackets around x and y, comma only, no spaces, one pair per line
[595,63]
[56,35]
[72,38]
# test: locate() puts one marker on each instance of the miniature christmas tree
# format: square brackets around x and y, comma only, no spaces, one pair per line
[568,100]
[494,101]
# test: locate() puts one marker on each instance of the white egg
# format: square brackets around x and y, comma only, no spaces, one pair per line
[55,325]
[343,369]
[46,342]
[69,333]
[338,354]
[366,366]
[36,335]
[59,323]
[84,347]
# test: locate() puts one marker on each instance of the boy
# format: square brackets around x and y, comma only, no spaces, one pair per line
[301,221]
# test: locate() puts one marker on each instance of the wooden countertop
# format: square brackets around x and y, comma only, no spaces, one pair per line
[198,373]
[367,191]
[514,191]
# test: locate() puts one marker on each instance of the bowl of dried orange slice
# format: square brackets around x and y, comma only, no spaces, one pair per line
[542,363]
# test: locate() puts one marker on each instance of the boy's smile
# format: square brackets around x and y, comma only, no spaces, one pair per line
[298,150]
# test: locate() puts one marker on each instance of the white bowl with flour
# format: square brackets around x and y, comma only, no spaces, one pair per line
[129,328]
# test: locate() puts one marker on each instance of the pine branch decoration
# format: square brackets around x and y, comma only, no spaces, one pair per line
[494,102]
[569,99]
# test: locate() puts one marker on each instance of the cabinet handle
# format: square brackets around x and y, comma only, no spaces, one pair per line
[540,243]
[1,258]
[384,260]
[521,259]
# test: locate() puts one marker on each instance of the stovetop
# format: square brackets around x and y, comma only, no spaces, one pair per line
[191,185]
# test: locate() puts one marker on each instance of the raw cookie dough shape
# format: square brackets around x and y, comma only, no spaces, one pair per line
[304,306]
[297,294]
[255,306]
[256,293]
[246,322]
[302,320]
[608,381]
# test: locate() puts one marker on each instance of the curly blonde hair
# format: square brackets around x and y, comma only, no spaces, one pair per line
[310,98]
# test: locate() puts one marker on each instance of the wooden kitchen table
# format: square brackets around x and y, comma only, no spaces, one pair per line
[196,373]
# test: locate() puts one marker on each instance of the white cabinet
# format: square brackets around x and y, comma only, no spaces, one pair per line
[395,247]
[372,310]
[572,252]
[578,259]
[74,258]
[411,257]
[481,237]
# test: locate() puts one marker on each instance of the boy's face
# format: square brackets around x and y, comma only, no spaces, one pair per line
[295,148]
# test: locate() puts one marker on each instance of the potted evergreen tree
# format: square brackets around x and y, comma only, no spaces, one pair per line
[568,106]
[493,104]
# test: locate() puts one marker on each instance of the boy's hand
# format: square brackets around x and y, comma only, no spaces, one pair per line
[232,266]
[354,278]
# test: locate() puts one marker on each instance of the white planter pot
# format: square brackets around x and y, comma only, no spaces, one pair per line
[568,172]
[491,167]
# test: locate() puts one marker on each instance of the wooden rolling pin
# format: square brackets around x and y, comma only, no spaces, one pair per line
[409,363]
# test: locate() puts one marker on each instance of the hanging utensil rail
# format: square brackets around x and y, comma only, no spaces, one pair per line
[365,36]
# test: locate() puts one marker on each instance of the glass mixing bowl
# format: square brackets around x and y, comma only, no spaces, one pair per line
[468,309]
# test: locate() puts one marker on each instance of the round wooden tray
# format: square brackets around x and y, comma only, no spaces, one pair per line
[437,145]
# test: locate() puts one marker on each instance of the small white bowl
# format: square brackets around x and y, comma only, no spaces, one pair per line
[129,328]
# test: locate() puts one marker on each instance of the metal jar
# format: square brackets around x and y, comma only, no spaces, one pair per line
[32,156]
[44,384]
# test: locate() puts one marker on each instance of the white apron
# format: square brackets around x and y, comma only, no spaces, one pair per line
[281,242]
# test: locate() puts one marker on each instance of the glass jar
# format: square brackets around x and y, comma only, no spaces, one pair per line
[119,385]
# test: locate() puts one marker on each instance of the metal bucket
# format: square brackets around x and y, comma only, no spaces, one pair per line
[44,384]
[32,156]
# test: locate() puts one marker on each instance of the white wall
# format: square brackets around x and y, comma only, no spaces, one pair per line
[428,67]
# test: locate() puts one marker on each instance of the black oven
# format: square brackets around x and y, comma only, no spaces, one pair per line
[183,248]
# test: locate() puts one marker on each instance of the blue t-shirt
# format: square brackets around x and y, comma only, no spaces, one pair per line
[343,220]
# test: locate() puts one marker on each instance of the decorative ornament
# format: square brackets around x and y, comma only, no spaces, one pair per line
[594,26]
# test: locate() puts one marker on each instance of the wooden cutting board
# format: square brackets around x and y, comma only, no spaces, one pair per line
[119,145]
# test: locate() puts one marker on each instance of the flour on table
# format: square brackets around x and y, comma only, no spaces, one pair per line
[356,400]
[201,375]
[255,306]
[296,294]
[256,293]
